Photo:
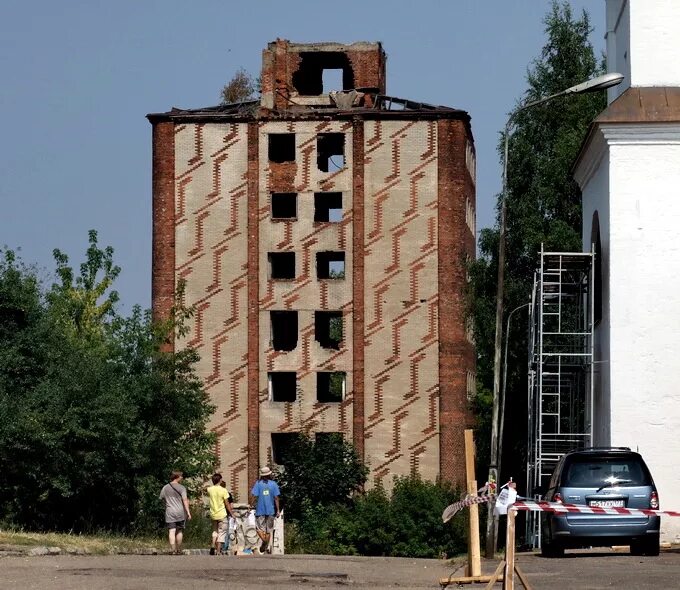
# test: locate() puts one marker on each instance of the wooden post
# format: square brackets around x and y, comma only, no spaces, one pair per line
[509,577]
[474,567]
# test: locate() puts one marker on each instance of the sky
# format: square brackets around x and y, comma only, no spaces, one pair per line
[78,77]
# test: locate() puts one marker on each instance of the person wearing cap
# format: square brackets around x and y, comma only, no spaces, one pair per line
[266,499]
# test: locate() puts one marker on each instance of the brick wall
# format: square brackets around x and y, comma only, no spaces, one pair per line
[456,246]
[406,190]
[306,293]
[163,239]
[401,300]
[211,207]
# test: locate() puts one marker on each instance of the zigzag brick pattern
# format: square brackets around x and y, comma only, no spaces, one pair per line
[210,234]
[401,340]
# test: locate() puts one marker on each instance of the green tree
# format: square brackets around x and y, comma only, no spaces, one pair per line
[544,202]
[93,414]
[240,88]
[319,473]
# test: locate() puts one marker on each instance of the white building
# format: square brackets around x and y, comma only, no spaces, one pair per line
[629,173]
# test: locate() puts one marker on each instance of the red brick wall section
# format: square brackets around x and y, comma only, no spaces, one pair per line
[163,239]
[279,65]
[253,305]
[358,286]
[456,355]
[369,69]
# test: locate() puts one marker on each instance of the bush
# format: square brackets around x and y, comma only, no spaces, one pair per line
[406,523]
[319,473]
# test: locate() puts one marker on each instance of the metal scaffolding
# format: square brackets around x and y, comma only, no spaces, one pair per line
[560,363]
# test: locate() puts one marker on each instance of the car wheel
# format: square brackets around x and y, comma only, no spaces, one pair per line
[647,546]
[551,549]
[652,545]
[637,547]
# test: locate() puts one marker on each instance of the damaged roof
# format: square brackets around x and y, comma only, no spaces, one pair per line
[377,106]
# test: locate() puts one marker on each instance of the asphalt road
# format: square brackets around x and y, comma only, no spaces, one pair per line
[583,570]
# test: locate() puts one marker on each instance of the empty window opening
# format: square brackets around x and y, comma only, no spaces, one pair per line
[282,386]
[284,329]
[328,329]
[309,79]
[282,147]
[597,242]
[330,151]
[330,386]
[282,443]
[328,207]
[282,265]
[284,205]
[331,80]
[330,265]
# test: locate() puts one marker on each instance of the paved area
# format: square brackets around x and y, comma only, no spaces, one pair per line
[582,570]
[188,572]
[596,569]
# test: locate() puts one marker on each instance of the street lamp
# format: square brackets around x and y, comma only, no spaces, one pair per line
[592,85]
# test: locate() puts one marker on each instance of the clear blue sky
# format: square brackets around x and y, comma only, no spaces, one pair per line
[78,77]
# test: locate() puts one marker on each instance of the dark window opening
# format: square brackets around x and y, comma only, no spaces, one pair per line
[284,329]
[283,386]
[282,442]
[309,78]
[282,147]
[330,265]
[328,329]
[284,205]
[330,151]
[330,386]
[328,207]
[597,287]
[282,265]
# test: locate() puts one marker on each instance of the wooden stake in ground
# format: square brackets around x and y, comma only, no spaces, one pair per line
[509,577]
[474,567]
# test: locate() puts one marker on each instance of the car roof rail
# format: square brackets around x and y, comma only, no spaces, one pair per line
[602,449]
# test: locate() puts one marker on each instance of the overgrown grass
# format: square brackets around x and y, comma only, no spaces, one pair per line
[196,536]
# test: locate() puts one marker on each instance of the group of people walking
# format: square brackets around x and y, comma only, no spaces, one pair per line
[265,493]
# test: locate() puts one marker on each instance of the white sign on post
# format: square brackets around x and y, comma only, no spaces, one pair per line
[506,498]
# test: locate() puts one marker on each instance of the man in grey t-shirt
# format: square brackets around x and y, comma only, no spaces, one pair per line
[177,512]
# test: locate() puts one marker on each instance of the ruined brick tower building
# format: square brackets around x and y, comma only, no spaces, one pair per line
[323,234]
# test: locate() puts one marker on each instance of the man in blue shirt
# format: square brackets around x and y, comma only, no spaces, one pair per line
[266,499]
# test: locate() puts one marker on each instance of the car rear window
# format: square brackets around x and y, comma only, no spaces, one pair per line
[599,471]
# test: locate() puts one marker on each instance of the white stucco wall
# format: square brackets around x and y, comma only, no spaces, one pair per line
[630,175]
[594,181]
[643,42]
[644,296]
[618,44]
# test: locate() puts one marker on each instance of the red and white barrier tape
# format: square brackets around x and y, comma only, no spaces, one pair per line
[468,501]
[560,508]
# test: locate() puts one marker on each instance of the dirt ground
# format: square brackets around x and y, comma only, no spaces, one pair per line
[583,570]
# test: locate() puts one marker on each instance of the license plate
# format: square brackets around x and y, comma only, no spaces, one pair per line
[608,503]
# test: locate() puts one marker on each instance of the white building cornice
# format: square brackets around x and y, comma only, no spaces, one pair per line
[640,133]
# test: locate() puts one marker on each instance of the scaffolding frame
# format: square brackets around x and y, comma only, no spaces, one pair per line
[560,371]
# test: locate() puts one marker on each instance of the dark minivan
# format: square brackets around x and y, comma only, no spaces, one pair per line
[606,477]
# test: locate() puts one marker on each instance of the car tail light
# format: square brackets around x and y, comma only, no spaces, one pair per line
[557,497]
[654,501]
